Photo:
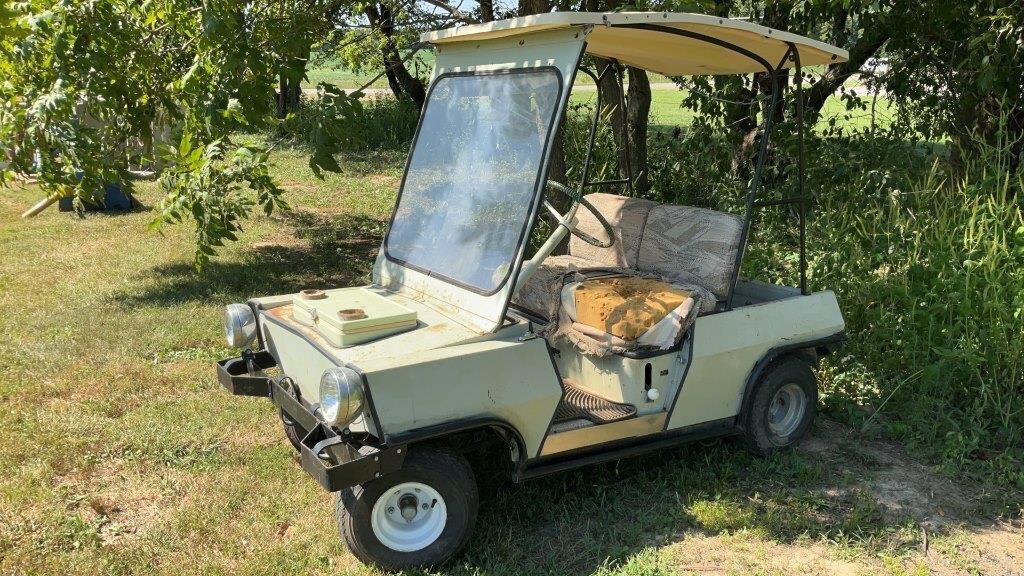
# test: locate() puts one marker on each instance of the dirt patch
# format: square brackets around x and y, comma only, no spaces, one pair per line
[121,502]
[1000,549]
[958,530]
[902,486]
[739,554]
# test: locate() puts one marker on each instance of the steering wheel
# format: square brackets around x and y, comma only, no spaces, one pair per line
[567,219]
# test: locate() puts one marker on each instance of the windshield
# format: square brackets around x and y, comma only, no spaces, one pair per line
[463,209]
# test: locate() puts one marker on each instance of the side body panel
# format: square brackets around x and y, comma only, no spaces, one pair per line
[727,345]
[503,379]
[622,379]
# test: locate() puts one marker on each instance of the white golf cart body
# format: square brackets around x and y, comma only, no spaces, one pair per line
[473,360]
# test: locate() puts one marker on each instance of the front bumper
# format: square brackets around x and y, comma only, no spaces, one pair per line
[334,461]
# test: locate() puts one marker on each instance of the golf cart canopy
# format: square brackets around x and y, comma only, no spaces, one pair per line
[672,44]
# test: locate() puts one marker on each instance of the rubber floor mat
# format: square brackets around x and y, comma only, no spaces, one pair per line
[580,404]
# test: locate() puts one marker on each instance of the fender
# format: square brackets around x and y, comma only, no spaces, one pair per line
[818,348]
[440,431]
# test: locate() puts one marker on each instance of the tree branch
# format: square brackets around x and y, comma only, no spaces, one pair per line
[871,41]
[455,12]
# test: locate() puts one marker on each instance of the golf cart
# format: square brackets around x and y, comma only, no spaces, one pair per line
[641,337]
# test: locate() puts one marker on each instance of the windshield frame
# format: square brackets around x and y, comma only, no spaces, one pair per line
[542,170]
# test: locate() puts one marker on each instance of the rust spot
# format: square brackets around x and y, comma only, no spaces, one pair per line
[352,314]
[312,294]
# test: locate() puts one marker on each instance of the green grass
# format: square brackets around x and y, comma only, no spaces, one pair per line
[666,111]
[333,71]
[122,455]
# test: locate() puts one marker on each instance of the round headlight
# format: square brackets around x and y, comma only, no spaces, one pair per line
[341,395]
[239,325]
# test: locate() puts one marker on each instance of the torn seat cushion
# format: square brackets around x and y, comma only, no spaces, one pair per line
[625,307]
[622,310]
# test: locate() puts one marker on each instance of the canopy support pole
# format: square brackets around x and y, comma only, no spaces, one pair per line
[755,182]
[802,197]
[585,181]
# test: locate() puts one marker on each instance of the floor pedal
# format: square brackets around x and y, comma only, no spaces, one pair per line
[580,404]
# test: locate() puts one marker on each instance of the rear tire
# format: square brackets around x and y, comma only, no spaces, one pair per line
[782,408]
[417,517]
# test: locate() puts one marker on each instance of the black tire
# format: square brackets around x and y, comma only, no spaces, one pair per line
[293,431]
[761,434]
[444,471]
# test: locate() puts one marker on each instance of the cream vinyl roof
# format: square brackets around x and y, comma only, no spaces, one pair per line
[653,46]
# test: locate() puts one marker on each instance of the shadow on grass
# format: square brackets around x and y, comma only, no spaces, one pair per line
[321,252]
[603,516]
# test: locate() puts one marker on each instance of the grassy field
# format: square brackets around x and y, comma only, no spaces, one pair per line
[121,455]
[333,71]
[665,100]
[666,111]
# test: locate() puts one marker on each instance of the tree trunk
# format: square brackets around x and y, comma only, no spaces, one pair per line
[282,96]
[393,83]
[611,99]
[528,7]
[401,82]
[629,126]
[486,10]
[638,113]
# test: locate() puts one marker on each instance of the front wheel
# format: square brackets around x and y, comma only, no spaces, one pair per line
[782,408]
[417,517]
[293,431]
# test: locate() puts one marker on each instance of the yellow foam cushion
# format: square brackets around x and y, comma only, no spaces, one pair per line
[626,307]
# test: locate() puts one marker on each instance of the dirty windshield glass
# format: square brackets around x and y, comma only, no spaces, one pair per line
[467,195]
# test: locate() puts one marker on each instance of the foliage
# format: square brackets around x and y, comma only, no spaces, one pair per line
[960,75]
[217,184]
[89,84]
[371,124]
[929,269]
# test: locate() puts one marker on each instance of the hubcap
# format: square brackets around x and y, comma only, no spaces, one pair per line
[409,517]
[786,410]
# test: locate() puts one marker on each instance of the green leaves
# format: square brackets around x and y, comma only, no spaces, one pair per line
[216,184]
[327,126]
[91,89]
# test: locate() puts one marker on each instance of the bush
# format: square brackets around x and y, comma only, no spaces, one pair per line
[929,270]
[380,123]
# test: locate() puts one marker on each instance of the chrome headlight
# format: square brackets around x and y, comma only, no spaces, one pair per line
[341,395]
[239,325]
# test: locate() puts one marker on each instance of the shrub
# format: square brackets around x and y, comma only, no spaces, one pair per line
[929,270]
[380,123]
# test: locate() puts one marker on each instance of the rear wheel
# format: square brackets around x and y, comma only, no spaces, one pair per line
[782,407]
[417,517]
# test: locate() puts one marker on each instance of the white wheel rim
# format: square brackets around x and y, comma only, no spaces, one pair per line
[786,410]
[409,517]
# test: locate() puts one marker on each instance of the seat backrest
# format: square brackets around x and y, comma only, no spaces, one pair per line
[691,245]
[680,243]
[627,217]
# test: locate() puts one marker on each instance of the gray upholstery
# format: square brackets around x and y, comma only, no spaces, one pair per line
[627,217]
[691,245]
[682,244]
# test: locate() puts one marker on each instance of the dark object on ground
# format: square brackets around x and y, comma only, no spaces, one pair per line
[115,199]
